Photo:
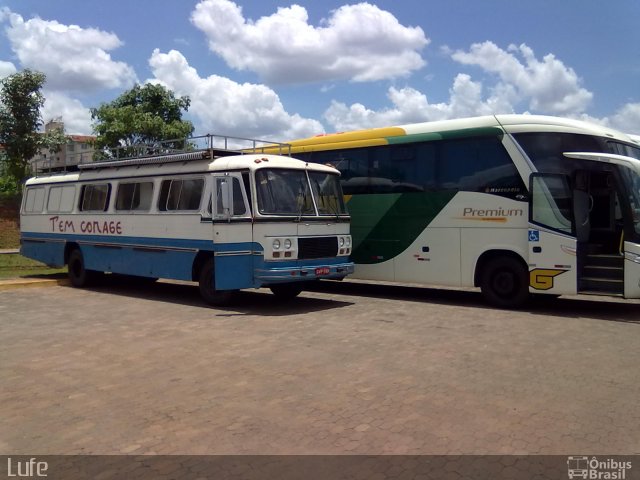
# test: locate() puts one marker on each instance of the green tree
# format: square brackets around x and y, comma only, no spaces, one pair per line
[146,114]
[20,120]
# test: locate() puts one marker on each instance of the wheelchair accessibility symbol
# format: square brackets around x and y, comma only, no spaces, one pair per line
[534,235]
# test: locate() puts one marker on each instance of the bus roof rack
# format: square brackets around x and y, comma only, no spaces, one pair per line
[148,160]
[187,149]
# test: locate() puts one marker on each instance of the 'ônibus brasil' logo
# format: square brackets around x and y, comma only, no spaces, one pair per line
[594,468]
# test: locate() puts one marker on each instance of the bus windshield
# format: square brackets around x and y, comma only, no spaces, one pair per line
[327,193]
[292,192]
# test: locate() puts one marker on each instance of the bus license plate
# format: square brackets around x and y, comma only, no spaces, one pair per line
[323,271]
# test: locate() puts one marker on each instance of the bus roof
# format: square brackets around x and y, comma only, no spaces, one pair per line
[458,128]
[147,168]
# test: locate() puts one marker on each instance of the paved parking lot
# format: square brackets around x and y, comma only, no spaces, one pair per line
[347,368]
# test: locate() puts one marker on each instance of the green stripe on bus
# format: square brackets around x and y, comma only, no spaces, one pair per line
[447,135]
[367,212]
[379,240]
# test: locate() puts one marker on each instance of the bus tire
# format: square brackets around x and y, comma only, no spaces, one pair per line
[78,274]
[207,286]
[505,282]
[286,291]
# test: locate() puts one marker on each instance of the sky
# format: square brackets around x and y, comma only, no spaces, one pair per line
[280,70]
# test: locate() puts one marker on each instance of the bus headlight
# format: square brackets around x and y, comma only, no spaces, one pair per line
[344,245]
[287,243]
[276,244]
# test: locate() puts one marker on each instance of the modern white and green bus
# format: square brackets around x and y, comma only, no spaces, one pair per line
[227,219]
[513,204]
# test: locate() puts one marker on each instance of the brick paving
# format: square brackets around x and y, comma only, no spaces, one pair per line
[342,370]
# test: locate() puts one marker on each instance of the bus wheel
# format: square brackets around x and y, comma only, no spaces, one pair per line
[505,282]
[78,274]
[208,287]
[286,291]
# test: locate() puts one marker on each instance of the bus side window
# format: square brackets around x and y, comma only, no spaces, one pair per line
[402,168]
[239,207]
[353,163]
[479,165]
[134,196]
[95,197]
[61,199]
[247,187]
[180,194]
[34,200]
[551,201]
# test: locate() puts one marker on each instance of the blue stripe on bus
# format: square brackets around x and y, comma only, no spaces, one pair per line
[243,267]
[175,243]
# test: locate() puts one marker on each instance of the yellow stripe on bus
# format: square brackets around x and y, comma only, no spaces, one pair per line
[360,138]
[333,146]
[373,133]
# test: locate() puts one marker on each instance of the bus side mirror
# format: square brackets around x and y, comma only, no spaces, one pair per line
[224,198]
[227,199]
[225,193]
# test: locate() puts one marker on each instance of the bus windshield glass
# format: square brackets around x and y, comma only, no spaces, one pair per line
[288,192]
[327,193]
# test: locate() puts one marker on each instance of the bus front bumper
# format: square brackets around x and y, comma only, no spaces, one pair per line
[287,274]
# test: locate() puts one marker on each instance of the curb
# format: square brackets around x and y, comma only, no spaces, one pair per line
[15,283]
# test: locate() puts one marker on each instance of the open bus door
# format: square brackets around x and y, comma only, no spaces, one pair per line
[553,245]
[615,269]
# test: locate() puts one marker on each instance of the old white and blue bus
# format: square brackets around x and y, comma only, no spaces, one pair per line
[512,204]
[228,220]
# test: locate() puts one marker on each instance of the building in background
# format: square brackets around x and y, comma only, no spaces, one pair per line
[78,149]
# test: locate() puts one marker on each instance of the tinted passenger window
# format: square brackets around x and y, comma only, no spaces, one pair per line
[181,194]
[473,164]
[546,149]
[624,149]
[478,165]
[403,168]
[134,196]
[95,198]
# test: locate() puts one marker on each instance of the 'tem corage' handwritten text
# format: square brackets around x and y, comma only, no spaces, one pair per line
[86,226]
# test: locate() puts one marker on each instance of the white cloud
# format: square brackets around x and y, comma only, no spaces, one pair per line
[73,58]
[548,85]
[76,117]
[411,106]
[358,42]
[545,86]
[6,69]
[223,106]
[627,119]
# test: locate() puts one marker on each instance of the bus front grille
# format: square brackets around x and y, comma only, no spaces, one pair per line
[317,247]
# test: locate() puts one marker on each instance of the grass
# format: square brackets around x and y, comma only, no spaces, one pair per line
[14,266]
[9,222]
[9,234]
